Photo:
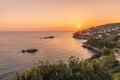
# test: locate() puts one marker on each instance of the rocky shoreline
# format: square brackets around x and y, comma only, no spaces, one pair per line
[91,47]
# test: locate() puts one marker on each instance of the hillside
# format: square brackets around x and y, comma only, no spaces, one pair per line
[101,31]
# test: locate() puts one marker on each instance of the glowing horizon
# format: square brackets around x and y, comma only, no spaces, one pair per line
[62,15]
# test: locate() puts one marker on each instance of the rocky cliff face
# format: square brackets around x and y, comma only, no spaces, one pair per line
[101,31]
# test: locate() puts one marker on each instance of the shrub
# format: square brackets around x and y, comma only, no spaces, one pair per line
[89,69]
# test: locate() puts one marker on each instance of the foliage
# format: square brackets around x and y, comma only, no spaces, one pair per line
[117,76]
[90,69]
[106,51]
[113,37]
[109,42]
[99,43]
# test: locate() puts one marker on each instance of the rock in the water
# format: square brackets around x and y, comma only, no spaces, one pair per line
[23,51]
[30,50]
[49,37]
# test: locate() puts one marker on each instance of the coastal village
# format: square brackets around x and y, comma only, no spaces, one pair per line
[100,33]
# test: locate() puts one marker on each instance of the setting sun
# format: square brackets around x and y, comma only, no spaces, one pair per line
[79,26]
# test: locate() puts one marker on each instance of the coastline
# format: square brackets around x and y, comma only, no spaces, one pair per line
[99,53]
[91,48]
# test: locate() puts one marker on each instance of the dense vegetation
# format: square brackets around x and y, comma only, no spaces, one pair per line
[109,42]
[90,69]
[103,68]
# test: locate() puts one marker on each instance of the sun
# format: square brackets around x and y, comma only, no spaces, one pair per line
[78,26]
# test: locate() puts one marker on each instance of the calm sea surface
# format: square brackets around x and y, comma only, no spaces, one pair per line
[60,48]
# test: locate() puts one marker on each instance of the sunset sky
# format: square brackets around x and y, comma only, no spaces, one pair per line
[45,15]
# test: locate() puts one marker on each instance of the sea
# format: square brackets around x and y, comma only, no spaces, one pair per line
[63,46]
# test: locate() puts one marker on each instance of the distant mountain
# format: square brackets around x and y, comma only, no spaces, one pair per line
[98,31]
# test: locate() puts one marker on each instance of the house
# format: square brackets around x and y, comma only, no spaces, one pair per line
[100,36]
[116,52]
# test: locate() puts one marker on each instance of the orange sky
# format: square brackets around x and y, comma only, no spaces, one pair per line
[45,15]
